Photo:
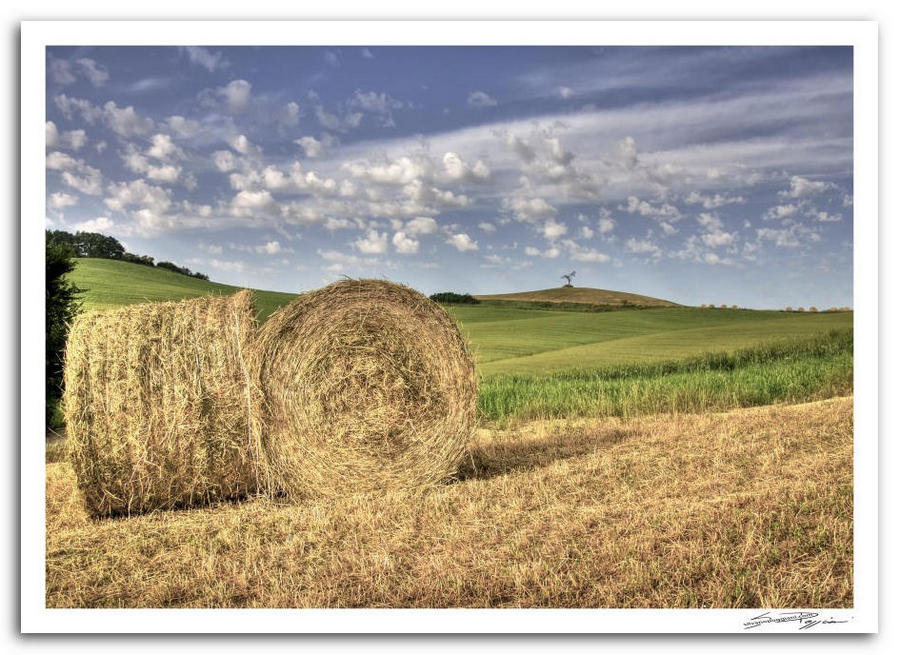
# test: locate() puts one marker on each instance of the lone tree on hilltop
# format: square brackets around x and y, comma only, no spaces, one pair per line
[568,278]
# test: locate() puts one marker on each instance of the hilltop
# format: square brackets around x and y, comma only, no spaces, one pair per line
[582,296]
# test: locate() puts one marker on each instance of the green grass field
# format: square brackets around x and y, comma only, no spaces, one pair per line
[540,362]
[109,284]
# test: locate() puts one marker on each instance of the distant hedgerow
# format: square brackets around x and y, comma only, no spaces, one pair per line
[447,297]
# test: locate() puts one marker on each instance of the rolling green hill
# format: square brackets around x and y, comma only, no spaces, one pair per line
[507,337]
[580,295]
[109,283]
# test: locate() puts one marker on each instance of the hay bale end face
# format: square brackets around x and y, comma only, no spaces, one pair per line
[159,404]
[367,385]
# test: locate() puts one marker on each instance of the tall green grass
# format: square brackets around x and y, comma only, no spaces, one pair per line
[784,371]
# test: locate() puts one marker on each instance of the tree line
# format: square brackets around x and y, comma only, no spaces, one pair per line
[94,244]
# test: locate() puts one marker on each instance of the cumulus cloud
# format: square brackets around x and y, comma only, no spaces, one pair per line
[76,173]
[97,75]
[455,169]
[529,210]
[405,245]
[462,242]
[183,127]
[802,187]
[206,58]
[236,95]
[480,99]
[59,200]
[72,140]
[224,160]
[125,121]
[779,212]
[552,230]
[374,243]
[421,225]
[634,205]
[162,148]
[99,224]
[313,147]
[64,72]
[606,225]
[490,228]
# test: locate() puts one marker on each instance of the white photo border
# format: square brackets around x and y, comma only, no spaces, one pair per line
[37,35]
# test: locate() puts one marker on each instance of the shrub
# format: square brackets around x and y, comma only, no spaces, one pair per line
[62,306]
[447,297]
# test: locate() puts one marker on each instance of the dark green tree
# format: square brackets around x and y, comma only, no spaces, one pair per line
[62,306]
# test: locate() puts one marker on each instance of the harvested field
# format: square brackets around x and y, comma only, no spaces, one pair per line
[746,508]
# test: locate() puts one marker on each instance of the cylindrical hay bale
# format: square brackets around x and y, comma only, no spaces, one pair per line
[367,385]
[160,406]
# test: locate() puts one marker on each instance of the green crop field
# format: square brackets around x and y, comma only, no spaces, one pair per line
[541,362]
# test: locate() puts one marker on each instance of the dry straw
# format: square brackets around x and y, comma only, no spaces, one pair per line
[367,385]
[160,405]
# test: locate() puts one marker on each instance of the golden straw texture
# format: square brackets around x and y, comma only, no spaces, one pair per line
[367,385]
[160,404]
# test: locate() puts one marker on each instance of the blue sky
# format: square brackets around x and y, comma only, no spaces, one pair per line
[700,175]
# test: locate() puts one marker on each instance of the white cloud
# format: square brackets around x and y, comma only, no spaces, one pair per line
[404,244]
[183,127]
[162,147]
[246,202]
[96,75]
[374,243]
[206,58]
[779,212]
[802,187]
[552,230]
[480,99]
[825,217]
[76,173]
[74,139]
[421,225]
[59,200]
[270,248]
[125,121]
[455,169]
[643,247]
[606,225]
[61,71]
[634,205]
[236,95]
[529,210]
[565,92]
[487,227]
[165,173]
[462,242]
[224,160]
[586,232]
[313,147]
[99,224]
[714,201]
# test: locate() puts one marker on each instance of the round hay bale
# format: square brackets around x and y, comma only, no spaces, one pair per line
[367,385]
[159,404]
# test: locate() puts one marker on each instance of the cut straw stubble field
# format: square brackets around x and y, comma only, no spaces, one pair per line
[749,508]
